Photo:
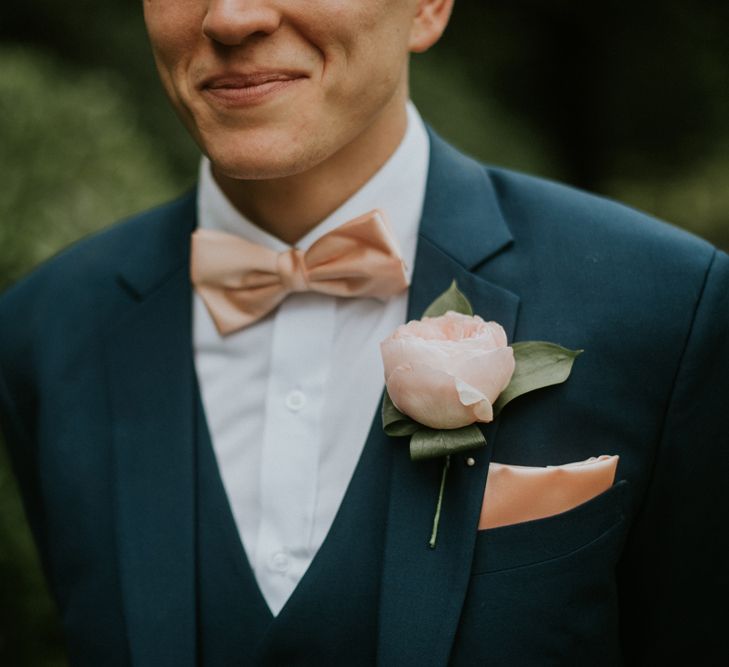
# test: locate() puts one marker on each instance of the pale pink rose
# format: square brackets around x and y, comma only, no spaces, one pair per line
[446,372]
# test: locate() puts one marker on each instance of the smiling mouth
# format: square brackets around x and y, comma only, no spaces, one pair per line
[250,88]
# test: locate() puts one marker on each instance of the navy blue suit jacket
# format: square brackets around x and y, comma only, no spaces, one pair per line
[97,388]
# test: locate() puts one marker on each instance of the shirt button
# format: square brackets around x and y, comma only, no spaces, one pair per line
[295,400]
[279,561]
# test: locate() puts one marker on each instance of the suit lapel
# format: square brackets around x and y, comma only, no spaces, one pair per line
[151,373]
[423,589]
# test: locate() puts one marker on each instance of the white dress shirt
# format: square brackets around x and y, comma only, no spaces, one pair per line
[290,399]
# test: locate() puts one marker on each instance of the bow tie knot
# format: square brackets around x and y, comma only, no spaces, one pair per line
[292,271]
[241,282]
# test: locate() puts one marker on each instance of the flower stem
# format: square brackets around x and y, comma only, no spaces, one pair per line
[436,518]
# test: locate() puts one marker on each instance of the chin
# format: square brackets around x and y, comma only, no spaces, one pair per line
[260,160]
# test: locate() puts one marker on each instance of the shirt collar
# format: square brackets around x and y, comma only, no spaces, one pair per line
[398,188]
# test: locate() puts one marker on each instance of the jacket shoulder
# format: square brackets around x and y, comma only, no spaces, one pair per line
[595,265]
[83,279]
[104,252]
[553,213]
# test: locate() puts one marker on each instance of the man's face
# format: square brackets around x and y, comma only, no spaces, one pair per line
[271,88]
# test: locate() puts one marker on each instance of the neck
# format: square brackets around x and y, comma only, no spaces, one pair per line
[290,207]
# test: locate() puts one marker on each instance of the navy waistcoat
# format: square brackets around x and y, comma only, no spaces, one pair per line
[331,616]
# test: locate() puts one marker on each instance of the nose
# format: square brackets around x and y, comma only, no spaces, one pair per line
[230,22]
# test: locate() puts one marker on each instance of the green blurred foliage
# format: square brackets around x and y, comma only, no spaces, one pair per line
[476,123]
[74,158]
[630,100]
[627,99]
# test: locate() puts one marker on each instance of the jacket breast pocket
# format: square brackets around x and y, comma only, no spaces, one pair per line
[532,542]
[544,592]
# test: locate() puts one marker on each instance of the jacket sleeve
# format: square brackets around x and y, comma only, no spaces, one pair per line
[674,576]
[23,455]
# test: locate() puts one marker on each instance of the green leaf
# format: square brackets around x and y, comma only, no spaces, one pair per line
[451,299]
[538,364]
[427,443]
[394,422]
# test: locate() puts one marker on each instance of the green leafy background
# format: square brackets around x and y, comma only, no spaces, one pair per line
[627,99]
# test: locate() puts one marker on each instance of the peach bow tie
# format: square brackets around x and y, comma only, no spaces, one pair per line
[241,282]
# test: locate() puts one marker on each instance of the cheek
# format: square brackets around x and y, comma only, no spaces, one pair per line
[360,36]
[380,50]
[174,29]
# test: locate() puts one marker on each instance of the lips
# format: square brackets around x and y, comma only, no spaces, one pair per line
[249,79]
[244,88]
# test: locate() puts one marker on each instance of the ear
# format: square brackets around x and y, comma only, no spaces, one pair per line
[429,23]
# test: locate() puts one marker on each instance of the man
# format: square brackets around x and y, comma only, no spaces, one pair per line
[211,485]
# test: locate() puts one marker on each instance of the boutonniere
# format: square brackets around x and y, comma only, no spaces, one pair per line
[451,370]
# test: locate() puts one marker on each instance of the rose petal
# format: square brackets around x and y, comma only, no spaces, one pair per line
[489,372]
[403,352]
[473,398]
[453,327]
[496,334]
[428,396]
[448,356]
[467,394]
[484,411]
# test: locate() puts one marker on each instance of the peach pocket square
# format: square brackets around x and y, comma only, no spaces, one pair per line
[521,493]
